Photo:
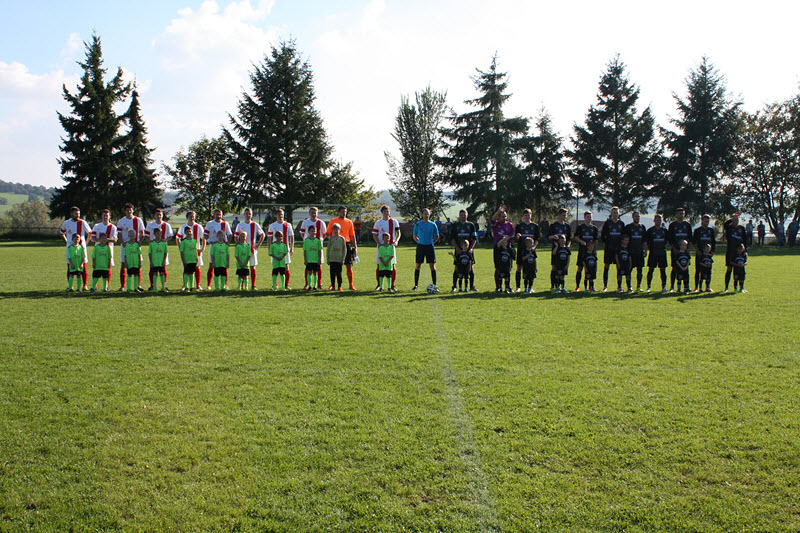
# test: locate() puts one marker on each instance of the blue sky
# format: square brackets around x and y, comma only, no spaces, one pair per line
[191,60]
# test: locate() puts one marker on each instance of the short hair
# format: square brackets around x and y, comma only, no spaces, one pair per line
[78,235]
[279,210]
[587,213]
[463,211]
[683,242]
[312,228]
[313,208]
[336,225]
[342,207]
[243,233]
[216,209]
[657,215]
[187,230]
[74,208]
[126,206]
[279,233]
[527,211]
[615,207]
[562,210]
[157,230]
[706,216]
[680,209]
[635,213]
[159,210]
[528,240]
[384,206]
[246,209]
[190,212]
[104,211]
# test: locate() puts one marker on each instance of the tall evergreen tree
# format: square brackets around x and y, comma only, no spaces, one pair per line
[280,150]
[140,186]
[701,150]
[482,146]
[92,165]
[543,184]
[416,177]
[616,154]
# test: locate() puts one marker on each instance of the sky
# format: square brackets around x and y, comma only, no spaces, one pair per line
[191,62]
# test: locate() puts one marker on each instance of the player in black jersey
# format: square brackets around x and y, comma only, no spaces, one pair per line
[505,258]
[656,241]
[739,261]
[460,231]
[703,235]
[611,236]
[525,230]
[624,263]
[735,235]
[705,262]
[636,232]
[561,255]
[559,227]
[528,261]
[585,234]
[679,230]
[590,265]
[682,261]
[463,261]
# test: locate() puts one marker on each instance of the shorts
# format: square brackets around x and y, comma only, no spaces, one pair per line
[637,261]
[581,257]
[705,274]
[529,271]
[133,271]
[462,272]
[189,268]
[560,271]
[682,275]
[654,260]
[313,267]
[157,270]
[498,264]
[591,273]
[471,256]
[384,273]
[336,268]
[622,271]
[220,271]
[503,273]
[96,274]
[729,257]
[279,271]
[425,254]
[609,256]
[242,272]
[739,274]
[71,272]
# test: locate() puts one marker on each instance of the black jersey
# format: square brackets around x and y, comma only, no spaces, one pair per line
[679,231]
[656,239]
[588,233]
[735,237]
[562,258]
[527,230]
[739,261]
[624,258]
[463,260]
[683,259]
[703,236]
[636,232]
[590,265]
[463,231]
[505,257]
[705,263]
[560,228]
[529,263]
[612,234]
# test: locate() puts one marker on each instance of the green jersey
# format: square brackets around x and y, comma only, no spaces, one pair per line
[242,254]
[277,248]
[158,253]
[385,254]
[102,257]
[219,253]
[189,250]
[337,249]
[77,254]
[312,249]
[133,255]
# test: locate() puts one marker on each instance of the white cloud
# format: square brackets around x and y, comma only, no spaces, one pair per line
[71,46]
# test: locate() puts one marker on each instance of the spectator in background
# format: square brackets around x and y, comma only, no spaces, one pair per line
[780,235]
[235,223]
[357,229]
[749,230]
[794,226]
[762,232]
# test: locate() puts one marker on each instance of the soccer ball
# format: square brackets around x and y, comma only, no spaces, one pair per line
[432,289]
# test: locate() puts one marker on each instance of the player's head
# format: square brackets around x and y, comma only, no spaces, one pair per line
[279,214]
[636,217]
[248,213]
[526,215]
[385,238]
[312,212]
[335,229]
[657,219]
[128,210]
[683,245]
[587,217]
[342,211]
[615,212]
[562,213]
[103,238]
[190,217]
[626,239]
[74,212]
[217,214]
[220,236]
[242,237]
[705,219]
[278,236]
[562,240]
[157,234]
[159,215]
[464,244]
[680,213]
[528,243]
[188,230]
[385,210]
[105,215]
[426,214]
[462,215]
[740,248]
[76,238]
[131,235]
[312,231]
[707,248]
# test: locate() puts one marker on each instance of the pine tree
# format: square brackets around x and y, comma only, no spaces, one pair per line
[91,165]
[701,151]
[616,154]
[543,183]
[140,186]
[482,146]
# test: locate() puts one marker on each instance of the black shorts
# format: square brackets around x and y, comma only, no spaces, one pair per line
[242,272]
[71,272]
[97,274]
[313,267]
[503,273]
[560,271]
[189,268]
[455,259]
[655,260]
[425,254]
[682,275]
[157,270]
[133,271]
[637,261]
[529,271]
[581,257]
[739,273]
[729,257]
[591,273]
[384,273]
[609,256]
[335,267]
[220,271]
[621,271]
[280,271]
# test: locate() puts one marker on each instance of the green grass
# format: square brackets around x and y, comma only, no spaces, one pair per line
[397,412]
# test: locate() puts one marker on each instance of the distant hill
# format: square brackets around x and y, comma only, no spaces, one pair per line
[43,193]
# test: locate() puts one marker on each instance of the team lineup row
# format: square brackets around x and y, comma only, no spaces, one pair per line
[626,247]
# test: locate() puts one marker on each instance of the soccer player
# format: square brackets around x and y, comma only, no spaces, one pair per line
[460,231]
[503,239]
[76,258]
[590,265]
[561,255]
[463,261]
[101,259]
[656,240]
[611,235]
[528,261]
[624,263]
[386,226]
[705,262]
[110,230]
[559,227]
[312,257]
[703,235]
[739,262]
[679,230]
[337,252]
[158,259]
[190,254]
[386,262]
[287,238]
[75,225]
[257,235]
[133,261]
[526,229]
[425,234]
[127,224]
[166,235]
[242,254]
[320,230]
[636,232]
[279,253]
[734,236]
[220,260]
[348,233]
[585,234]
[681,266]
[211,235]
[198,236]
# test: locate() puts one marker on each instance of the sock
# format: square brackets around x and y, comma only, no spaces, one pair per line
[628,282]
[105,283]
[696,279]
[130,287]
[741,285]
[416,278]
[378,275]
[649,277]
[314,278]
[186,280]
[252,277]
[164,275]
[339,280]
[150,275]
[433,276]
[94,282]
[605,277]
[394,275]
[456,279]
[305,276]
[727,278]
[552,280]
[163,280]
[84,276]
[664,277]
[288,275]
[226,279]
[619,282]
[197,277]
[639,275]
[672,276]
[274,281]
[349,274]
[471,280]
[578,278]
[498,282]
[138,278]
[284,279]
[122,276]
[216,282]
[518,278]
[209,275]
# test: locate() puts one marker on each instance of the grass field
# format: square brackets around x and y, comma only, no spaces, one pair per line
[397,412]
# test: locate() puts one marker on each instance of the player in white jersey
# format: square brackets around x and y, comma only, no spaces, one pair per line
[76,225]
[255,235]
[198,234]
[288,237]
[386,225]
[125,225]
[213,227]
[321,228]
[166,235]
[105,227]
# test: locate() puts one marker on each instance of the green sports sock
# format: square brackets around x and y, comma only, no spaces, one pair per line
[162,279]
[282,278]
[69,281]
[138,281]
[313,280]
[216,283]
[130,284]
[94,283]
[105,283]
[275,281]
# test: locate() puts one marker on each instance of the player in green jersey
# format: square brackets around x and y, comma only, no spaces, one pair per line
[133,261]
[220,261]
[242,254]
[278,251]
[157,254]
[385,256]
[188,248]
[76,254]
[312,250]
[101,261]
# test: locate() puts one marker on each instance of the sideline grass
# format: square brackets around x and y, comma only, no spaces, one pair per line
[397,412]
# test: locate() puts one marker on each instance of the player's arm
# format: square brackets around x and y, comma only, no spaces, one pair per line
[415,235]
[397,231]
[290,242]
[435,234]
[305,254]
[261,237]
[375,234]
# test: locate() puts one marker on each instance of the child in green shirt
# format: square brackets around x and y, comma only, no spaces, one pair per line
[312,249]
[385,256]
[157,252]
[77,255]
[220,261]
[133,261]
[337,251]
[101,261]
[188,250]
[278,251]
[242,253]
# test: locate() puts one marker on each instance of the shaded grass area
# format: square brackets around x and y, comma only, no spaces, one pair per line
[397,412]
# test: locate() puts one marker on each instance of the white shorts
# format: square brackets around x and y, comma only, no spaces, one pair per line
[254,258]
[378,259]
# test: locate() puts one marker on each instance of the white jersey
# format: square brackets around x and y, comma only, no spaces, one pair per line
[80,227]
[166,235]
[110,231]
[197,235]
[286,229]
[384,227]
[321,229]
[253,230]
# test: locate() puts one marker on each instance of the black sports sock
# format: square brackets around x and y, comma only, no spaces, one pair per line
[433,276]
[650,277]
[639,276]
[518,278]
[472,280]
[672,276]
[605,277]
[552,280]
[727,278]
[455,279]
[664,277]
[416,278]
[578,278]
